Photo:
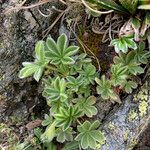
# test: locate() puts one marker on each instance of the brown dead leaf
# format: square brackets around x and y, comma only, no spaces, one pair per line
[33,124]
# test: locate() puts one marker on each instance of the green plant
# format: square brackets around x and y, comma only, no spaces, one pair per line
[64,135]
[68,89]
[74,83]
[125,6]
[123,44]
[107,4]
[89,137]
[141,55]
[66,116]
[128,61]
[129,85]
[118,74]
[104,88]
[37,67]
[88,73]
[57,90]
[59,53]
[86,105]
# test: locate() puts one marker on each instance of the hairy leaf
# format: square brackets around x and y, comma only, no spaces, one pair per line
[118,74]
[59,53]
[65,117]
[49,133]
[104,88]
[86,105]
[89,136]
[64,135]
[57,90]
[123,44]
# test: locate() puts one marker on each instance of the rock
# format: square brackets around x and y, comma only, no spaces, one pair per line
[18,34]
[124,126]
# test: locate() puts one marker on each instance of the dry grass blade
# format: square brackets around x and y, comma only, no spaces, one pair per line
[20,7]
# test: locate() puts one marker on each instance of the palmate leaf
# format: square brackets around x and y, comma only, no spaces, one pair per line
[57,90]
[35,68]
[59,53]
[129,86]
[86,105]
[74,83]
[64,135]
[118,74]
[47,120]
[66,116]
[128,61]
[141,55]
[89,136]
[88,73]
[80,61]
[123,44]
[73,145]
[104,88]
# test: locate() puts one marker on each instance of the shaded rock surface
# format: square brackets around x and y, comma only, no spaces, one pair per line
[18,34]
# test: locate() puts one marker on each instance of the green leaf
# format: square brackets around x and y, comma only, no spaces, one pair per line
[141,55]
[35,68]
[49,146]
[56,91]
[39,51]
[123,44]
[129,62]
[104,88]
[136,23]
[28,70]
[49,133]
[129,85]
[38,73]
[108,5]
[64,135]
[47,120]
[58,53]
[144,4]
[65,117]
[62,42]
[88,136]
[131,44]
[74,83]
[86,105]
[38,132]
[131,6]
[118,74]
[88,73]
[73,145]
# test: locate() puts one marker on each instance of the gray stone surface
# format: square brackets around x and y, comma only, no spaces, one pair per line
[122,134]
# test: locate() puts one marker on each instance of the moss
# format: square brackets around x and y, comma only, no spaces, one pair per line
[94,43]
[91,40]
